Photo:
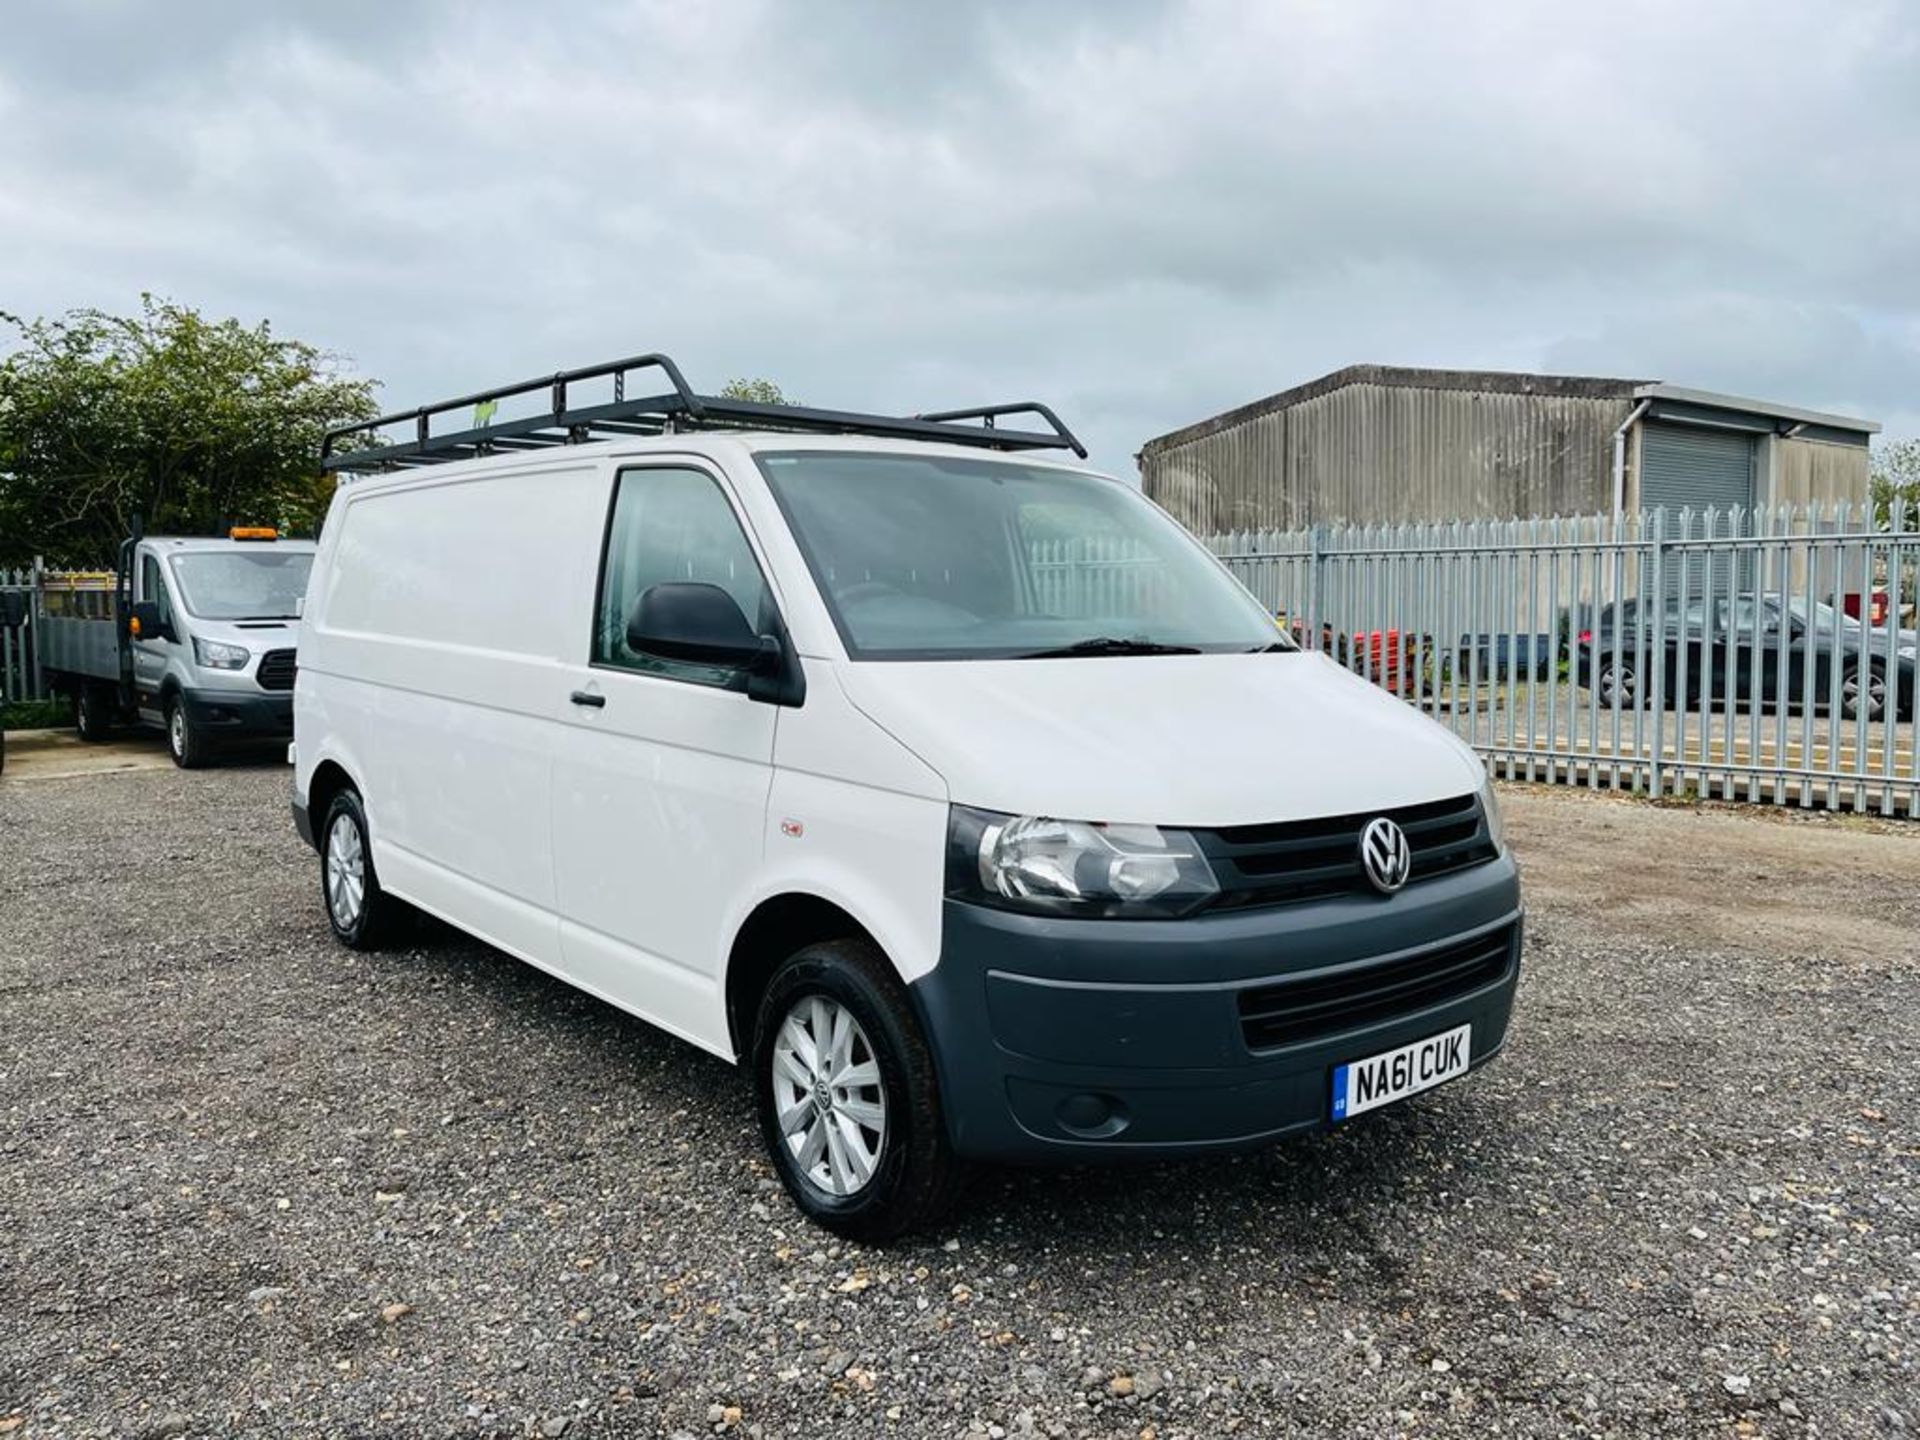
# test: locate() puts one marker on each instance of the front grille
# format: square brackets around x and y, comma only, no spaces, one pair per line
[1298,860]
[1327,1002]
[277,670]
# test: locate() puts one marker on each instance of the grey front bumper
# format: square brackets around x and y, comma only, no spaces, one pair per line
[1065,1039]
[241,713]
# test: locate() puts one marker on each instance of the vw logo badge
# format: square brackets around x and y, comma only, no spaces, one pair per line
[1384,855]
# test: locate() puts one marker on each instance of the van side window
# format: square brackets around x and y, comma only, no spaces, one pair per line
[672,525]
[153,588]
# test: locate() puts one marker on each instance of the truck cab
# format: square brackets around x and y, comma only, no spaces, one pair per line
[199,643]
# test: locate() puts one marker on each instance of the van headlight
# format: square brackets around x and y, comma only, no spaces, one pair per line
[1074,867]
[1490,807]
[218,655]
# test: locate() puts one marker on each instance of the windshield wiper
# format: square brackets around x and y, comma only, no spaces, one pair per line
[1109,645]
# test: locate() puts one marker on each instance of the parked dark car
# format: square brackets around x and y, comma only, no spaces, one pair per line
[1506,657]
[1752,645]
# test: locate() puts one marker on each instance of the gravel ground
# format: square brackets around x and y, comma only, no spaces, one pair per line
[252,1183]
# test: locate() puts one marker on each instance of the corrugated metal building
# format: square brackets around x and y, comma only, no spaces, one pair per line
[1375,443]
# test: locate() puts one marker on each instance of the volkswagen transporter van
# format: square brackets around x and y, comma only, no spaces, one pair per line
[956,793]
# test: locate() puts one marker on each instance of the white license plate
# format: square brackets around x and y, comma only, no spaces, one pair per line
[1378,1080]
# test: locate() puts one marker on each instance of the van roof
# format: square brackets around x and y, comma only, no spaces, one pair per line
[703,442]
[592,404]
[183,544]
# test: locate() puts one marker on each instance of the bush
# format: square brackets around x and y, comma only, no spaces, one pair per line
[35,715]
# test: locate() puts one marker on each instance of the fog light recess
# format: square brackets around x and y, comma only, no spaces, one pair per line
[1091,1116]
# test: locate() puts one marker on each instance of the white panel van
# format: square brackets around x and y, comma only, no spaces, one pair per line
[956,792]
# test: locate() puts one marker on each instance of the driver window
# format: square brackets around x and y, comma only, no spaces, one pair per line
[153,589]
[673,525]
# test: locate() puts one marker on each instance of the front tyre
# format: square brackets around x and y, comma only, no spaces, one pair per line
[849,1106]
[361,913]
[186,740]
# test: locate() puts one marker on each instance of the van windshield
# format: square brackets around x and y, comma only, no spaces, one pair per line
[243,584]
[925,558]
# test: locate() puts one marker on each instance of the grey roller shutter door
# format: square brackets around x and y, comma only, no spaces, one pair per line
[1691,465]
[1695,467]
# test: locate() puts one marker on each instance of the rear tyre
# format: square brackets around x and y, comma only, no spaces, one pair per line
[363,916]
[186,741]
[848,1102]
[1617,682]
[93,713]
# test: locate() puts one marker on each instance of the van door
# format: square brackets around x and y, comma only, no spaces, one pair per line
[662,768]
[151,652]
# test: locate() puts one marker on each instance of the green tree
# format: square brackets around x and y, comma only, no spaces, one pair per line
[764,392]
[192,423]
[1896,484]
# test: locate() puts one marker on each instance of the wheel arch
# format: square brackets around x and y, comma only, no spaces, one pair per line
[775,928]
[329,778]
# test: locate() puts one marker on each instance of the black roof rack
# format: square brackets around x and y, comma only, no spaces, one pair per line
[560,422]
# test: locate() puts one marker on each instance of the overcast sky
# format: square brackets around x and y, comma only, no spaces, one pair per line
[1143,213]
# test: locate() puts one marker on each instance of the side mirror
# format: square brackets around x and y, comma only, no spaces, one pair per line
[147,624]
[701,624]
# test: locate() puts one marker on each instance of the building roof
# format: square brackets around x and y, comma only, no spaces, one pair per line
[1713,400]
[1510,382]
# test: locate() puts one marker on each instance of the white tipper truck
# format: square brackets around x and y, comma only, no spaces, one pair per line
[194,636]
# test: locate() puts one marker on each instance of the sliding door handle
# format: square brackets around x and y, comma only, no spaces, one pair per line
[588,698]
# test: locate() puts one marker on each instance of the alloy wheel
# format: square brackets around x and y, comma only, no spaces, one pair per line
[346,872]
[1863,692]
[1616,686]
[831,1105]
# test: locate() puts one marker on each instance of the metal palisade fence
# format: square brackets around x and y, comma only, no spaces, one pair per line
[27,597]
[20,677]
[1762,655]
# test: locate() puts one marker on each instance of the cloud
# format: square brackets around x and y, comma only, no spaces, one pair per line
[1142,213]
[1825,356]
